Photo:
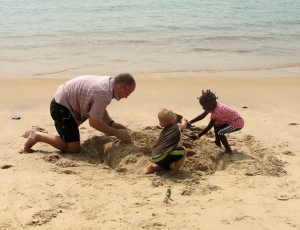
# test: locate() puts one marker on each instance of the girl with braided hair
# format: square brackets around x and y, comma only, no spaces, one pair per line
[223,118]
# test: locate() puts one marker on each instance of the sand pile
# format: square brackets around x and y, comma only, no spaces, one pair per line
[204,157]
[132,157]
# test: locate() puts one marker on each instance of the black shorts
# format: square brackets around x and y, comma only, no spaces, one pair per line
[166,160]
[225,128]
[65,124]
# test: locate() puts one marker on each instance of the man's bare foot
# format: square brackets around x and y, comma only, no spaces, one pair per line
[31,141]
[30,151]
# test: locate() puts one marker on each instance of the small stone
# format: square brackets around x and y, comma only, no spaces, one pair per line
[6,166]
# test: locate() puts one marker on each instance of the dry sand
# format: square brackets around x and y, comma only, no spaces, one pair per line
[257,187]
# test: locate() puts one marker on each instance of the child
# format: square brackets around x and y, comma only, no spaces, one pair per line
[223,118]
[166,150]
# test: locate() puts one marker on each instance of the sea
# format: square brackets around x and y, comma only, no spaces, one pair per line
[67,38]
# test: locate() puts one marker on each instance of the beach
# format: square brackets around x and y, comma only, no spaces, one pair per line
[247,52]
[257,187]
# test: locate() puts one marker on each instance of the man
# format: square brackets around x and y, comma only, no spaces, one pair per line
[82,98]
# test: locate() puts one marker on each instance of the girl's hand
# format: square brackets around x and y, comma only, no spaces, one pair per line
[193,137]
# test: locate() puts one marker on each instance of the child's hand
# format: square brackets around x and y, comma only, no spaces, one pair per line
[183,124]
[193,137]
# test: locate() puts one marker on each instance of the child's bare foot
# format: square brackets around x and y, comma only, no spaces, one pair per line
[217,143]
[174,172]
[148,170]
[144,172]
[228,151]
[31,141]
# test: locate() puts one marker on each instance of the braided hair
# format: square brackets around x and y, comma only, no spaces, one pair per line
[208,98]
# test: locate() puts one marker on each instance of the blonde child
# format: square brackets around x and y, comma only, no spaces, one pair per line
[166,150]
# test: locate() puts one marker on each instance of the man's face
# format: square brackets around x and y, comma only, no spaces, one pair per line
[124,91]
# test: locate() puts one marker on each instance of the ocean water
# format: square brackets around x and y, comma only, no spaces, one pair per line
[59,38]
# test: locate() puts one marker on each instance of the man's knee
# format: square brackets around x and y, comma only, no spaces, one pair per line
[74,147]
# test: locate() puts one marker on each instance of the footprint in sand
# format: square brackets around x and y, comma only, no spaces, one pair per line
[44,216]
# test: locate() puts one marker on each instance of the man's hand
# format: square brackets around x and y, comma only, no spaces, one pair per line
[117,130]
[123,135]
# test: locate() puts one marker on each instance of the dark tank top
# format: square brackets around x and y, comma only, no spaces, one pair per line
[167,141]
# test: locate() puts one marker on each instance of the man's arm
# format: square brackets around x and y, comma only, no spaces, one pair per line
[106,119]
[102,126]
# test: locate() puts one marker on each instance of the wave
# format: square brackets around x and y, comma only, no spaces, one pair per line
[222,50]
[54,72]
[233,69]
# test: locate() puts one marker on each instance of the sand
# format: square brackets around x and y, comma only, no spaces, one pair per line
[257,187]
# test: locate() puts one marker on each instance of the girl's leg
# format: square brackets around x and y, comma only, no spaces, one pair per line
[220,135]
[217,137]
[55,141]
[224,141]
[217,141]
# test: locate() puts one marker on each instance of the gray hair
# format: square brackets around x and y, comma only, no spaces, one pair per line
[124,79]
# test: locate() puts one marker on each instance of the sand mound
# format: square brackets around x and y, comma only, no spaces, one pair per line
[132,157]
[203,157]
[249,157]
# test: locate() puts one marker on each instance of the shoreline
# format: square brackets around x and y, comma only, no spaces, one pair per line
[260,73]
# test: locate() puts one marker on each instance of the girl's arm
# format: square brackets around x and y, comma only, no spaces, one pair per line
[199,117]
[204,131]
